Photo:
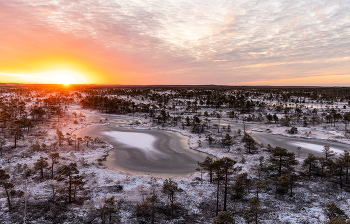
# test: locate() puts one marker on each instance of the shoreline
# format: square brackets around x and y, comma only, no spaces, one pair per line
[180,161]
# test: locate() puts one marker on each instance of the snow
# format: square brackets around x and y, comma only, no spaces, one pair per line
[316,147]
[144,142]
[128,138]
[317,132]
[135,187]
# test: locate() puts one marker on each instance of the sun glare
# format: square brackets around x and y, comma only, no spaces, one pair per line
[64,79]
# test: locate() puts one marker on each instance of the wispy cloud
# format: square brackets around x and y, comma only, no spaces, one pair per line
[214,41]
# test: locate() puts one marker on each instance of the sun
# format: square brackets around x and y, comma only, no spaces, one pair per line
[64,79]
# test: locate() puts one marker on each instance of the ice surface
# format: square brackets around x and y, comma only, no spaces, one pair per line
[142,141]
[316,147]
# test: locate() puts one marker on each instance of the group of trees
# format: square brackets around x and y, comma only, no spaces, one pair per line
[8,186]
[276,171]
[227,141]
[329,167]
[25,110]
[67,174]
[184,106]
[25,113]
[151,209]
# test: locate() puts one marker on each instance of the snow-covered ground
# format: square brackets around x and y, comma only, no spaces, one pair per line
[195,191]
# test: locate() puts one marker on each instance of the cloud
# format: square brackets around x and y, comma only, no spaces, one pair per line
[202,42]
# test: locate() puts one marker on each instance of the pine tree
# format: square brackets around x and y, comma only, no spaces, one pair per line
[41,164]
[241,186]
[70,174]
[250,143]
[310,164]
[289,181]
[252,215]
[6,185]
[334,212]
[259,185]
[224,218]
[227,141]
[217,167]
[227,166]
[110,211]
[282,161]
[60,137]
[207,164]
[328,153]
[2,143]
[170,188]
[323,163]
[210,140]
[346,160]
[4,177]
[54,160]
[338,169]
[147,210]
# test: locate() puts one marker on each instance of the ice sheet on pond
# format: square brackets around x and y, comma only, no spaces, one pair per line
[316,147]
[142,141]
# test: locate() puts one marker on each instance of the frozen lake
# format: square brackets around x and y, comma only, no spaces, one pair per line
[313,146]
[154,152]
[166,153]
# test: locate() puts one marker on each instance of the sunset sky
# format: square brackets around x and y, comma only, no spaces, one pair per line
[240,42]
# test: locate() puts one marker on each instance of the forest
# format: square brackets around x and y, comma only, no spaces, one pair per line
[48,174]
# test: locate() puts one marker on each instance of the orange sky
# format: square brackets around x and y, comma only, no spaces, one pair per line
[171,42]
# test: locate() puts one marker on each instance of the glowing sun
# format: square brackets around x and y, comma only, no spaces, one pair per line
[64,79]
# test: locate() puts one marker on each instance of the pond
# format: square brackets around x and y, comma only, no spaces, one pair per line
[154,152]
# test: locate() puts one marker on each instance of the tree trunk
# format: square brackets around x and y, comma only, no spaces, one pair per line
[70,190]
[8,198]
[340,178]
[217,196]
[211,175]
[172,203]
[52,170]
[346,175]
[225,195]
[74,192]
[280,168]
[310,168]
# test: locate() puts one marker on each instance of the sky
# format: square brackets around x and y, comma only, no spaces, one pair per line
[172,42]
